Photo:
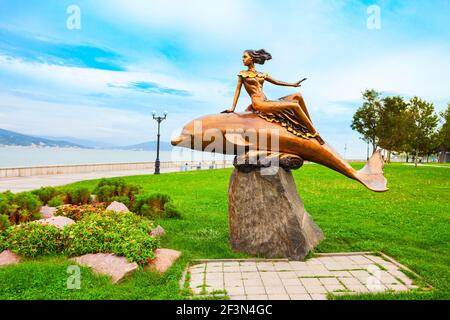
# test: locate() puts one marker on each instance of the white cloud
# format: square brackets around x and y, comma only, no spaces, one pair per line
[88,80]
[119,127]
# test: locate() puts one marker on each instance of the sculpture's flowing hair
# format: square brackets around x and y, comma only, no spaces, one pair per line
[259,56]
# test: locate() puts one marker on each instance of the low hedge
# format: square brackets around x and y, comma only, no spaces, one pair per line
[156,206]
[19,207]
[77,212]
[34,239]
[124,234]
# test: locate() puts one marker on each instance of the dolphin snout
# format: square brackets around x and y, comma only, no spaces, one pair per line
[176,141]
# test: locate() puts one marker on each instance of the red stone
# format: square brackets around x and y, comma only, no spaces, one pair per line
[108,264]
[47,212]
[165,258]
[58,221]
[8,257]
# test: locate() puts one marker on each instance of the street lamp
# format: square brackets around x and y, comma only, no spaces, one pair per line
[159,120]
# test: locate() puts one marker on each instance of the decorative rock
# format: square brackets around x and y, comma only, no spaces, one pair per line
[117,207]
[267,216]
[108,264]
[47,212]
[165,258]
[58,221]
[158,232]
[8,257]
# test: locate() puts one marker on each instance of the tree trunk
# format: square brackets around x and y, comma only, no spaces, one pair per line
[416,158]
[389,156]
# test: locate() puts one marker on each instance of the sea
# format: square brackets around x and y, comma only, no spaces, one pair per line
[17,156]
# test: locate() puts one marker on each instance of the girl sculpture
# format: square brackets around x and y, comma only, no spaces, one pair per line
[290,111]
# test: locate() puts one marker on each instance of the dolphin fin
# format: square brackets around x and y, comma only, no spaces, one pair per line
[372,175]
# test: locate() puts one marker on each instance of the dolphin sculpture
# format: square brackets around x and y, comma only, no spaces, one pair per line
[229,129]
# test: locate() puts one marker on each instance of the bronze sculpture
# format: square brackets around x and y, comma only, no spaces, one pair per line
[266,214]
[298,139]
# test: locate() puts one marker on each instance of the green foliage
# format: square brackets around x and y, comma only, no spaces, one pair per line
[20,207]
[56,202]
[77,212]
[45,194]
[366,119]
[156,206]
[79,196]
[393,122]
[444,131]
[396,125]
[117,189]
[423,121]
[124,234]
[171,211]
[4,222]
[2,242]
[33,239]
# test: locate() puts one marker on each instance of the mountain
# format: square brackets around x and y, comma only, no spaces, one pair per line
[11,138]
[83,142]
[148,146]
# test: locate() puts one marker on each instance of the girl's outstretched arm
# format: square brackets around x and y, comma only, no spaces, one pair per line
[236,96]
[282,83]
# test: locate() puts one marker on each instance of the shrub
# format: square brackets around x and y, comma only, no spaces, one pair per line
[170,211]
[45,194]
[155,206]
[6,199]
[4,222]
[20,207]
[56,202]
[79,196]
[77,212]
[124,234]
[2,243]
[33,239]
[109,190]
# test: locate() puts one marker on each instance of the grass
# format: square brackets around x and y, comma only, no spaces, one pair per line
[410,222]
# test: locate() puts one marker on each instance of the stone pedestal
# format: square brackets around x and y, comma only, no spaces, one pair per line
[267,217]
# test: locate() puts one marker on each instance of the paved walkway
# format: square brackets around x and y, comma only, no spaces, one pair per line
[18,184]
[313,279]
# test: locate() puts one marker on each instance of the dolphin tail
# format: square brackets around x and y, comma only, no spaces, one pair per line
[372,175]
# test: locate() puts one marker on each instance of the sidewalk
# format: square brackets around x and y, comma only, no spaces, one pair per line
[18,184]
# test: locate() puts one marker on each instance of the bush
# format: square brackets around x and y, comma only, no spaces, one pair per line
[2,243]
[20,207]
[45,194]
[124,234]
[6,199]
[155,206]
[170,211]
[77,212]
[56,202]
[109,190]
[4,222]
[79,196]
[33,239]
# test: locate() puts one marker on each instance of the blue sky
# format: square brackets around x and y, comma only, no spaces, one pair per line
[102,81]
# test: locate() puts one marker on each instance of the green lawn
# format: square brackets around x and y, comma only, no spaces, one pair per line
[410,222]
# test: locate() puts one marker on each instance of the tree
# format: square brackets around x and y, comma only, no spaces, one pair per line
[366,119]
[444,133]
[392,125]
[422,122]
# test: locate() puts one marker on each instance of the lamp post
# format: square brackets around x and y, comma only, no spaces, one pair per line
[159,120]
